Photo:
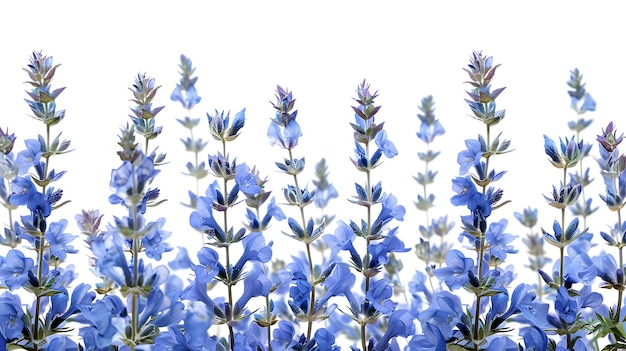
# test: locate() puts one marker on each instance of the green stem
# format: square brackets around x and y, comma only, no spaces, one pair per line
[620,293]
[308,253]
[42,242]
[134,290]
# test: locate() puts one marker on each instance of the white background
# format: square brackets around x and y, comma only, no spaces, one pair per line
[321,51]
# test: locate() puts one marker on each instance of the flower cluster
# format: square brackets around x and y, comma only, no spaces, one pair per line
[343,282]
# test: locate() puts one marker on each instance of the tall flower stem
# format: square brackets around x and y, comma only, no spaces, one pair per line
[620,293]
[308,252]
[42,244]
[563,238]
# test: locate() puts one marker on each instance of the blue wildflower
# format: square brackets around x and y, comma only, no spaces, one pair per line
[255,284]
[11,322]
[58,240]
[101,329]
[379,294]
[300,294]
[340,283]
[455,273]
[385,145]
[284,130]
[469,157]
[246,180]
[185,92]
[24,193]
[499,240]
[431,340]
[400,324]
[208,265]
[255,250]
[223,129]
[14,269]
[181,261]
[154,240]
[30,156]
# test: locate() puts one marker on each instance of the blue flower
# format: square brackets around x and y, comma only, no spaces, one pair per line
[24,193]
[379,294]
[129,183]
[181,261]
[101,330]
[568,156]
[286,137]
[246,180]
[30,156]
[59,241]
[14,269]
[255,284]
[464,188]
[255,250]
[431,340]
[340,283]
[535,339]
[185,92]
[455,273]
[203,220]
[108,250]
[188,98]
[283,336]
[221,127]
[154,240]
[160,310]
[400,324]
[11,322]
[469,157]
[499,240]
[384,144]
[208,266]
[284,130]
[300,294]
[380,251]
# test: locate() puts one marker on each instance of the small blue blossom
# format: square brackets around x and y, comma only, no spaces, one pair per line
[185,92]
[340,283]
[384,144]
[59,241]
[400,324]
[499,240]
[255,284]
[284,131]
[471,156]
[379,294]
[30,156]
[246,180]
[14,269]
[455,273]
[154,240]
[181,261]
[11,322]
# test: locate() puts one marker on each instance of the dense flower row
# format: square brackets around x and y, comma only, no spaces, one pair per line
[342,287]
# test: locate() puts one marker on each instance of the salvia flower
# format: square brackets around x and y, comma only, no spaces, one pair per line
[42,103]
[567,156]
[144,90]
[6,141]
[481,71]
[430,127]
[581,100]
[609,139]
[15,269]
[222,128]
[284,131]
[185,91]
